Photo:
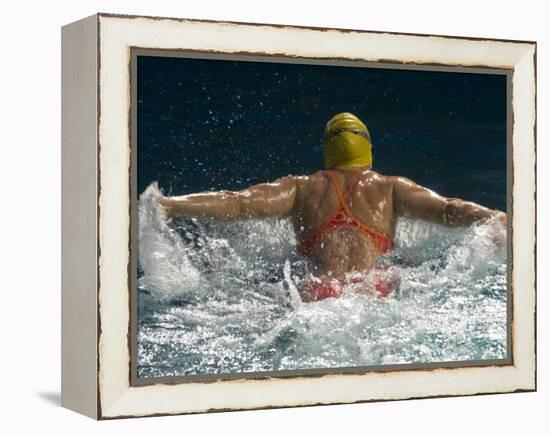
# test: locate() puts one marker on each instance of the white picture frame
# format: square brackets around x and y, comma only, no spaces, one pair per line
[97,213]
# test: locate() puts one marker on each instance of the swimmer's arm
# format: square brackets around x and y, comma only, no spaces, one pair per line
[274,199]
[413,200]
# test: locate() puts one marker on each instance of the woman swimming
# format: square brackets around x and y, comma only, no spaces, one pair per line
[344,216]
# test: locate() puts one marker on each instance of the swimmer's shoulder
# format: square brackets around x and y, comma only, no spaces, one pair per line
[313,176]
[373,179]
[320,177]
[311,183]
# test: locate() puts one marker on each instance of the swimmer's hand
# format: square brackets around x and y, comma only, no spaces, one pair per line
[502,218]
[499,224]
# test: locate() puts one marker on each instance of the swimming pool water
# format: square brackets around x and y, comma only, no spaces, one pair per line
[216,298]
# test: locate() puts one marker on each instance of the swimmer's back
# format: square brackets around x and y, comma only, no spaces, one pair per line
[370,201]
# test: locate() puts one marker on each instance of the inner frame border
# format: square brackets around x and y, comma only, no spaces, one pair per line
[135,52]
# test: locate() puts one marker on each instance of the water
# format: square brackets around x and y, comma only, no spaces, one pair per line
[217,298]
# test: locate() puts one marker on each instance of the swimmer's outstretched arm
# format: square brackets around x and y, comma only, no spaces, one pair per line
[274,199]
[411,199]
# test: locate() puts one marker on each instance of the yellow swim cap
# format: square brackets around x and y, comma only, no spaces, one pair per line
[347,142]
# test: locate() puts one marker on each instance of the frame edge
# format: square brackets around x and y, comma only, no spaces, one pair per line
[79,214]
[111,411]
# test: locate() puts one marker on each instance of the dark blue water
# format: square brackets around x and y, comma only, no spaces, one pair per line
[211,124]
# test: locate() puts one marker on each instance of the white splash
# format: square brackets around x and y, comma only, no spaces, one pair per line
[162,255]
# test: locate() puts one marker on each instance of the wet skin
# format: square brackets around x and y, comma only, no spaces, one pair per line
[375,200]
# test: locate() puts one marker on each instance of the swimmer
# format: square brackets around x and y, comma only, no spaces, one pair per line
[345,215]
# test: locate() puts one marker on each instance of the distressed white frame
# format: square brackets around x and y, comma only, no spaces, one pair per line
[114,395]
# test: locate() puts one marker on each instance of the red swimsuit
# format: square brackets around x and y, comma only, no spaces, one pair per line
[342,217]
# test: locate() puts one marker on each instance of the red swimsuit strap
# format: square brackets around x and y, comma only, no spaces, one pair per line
[342,195]
[380,240]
